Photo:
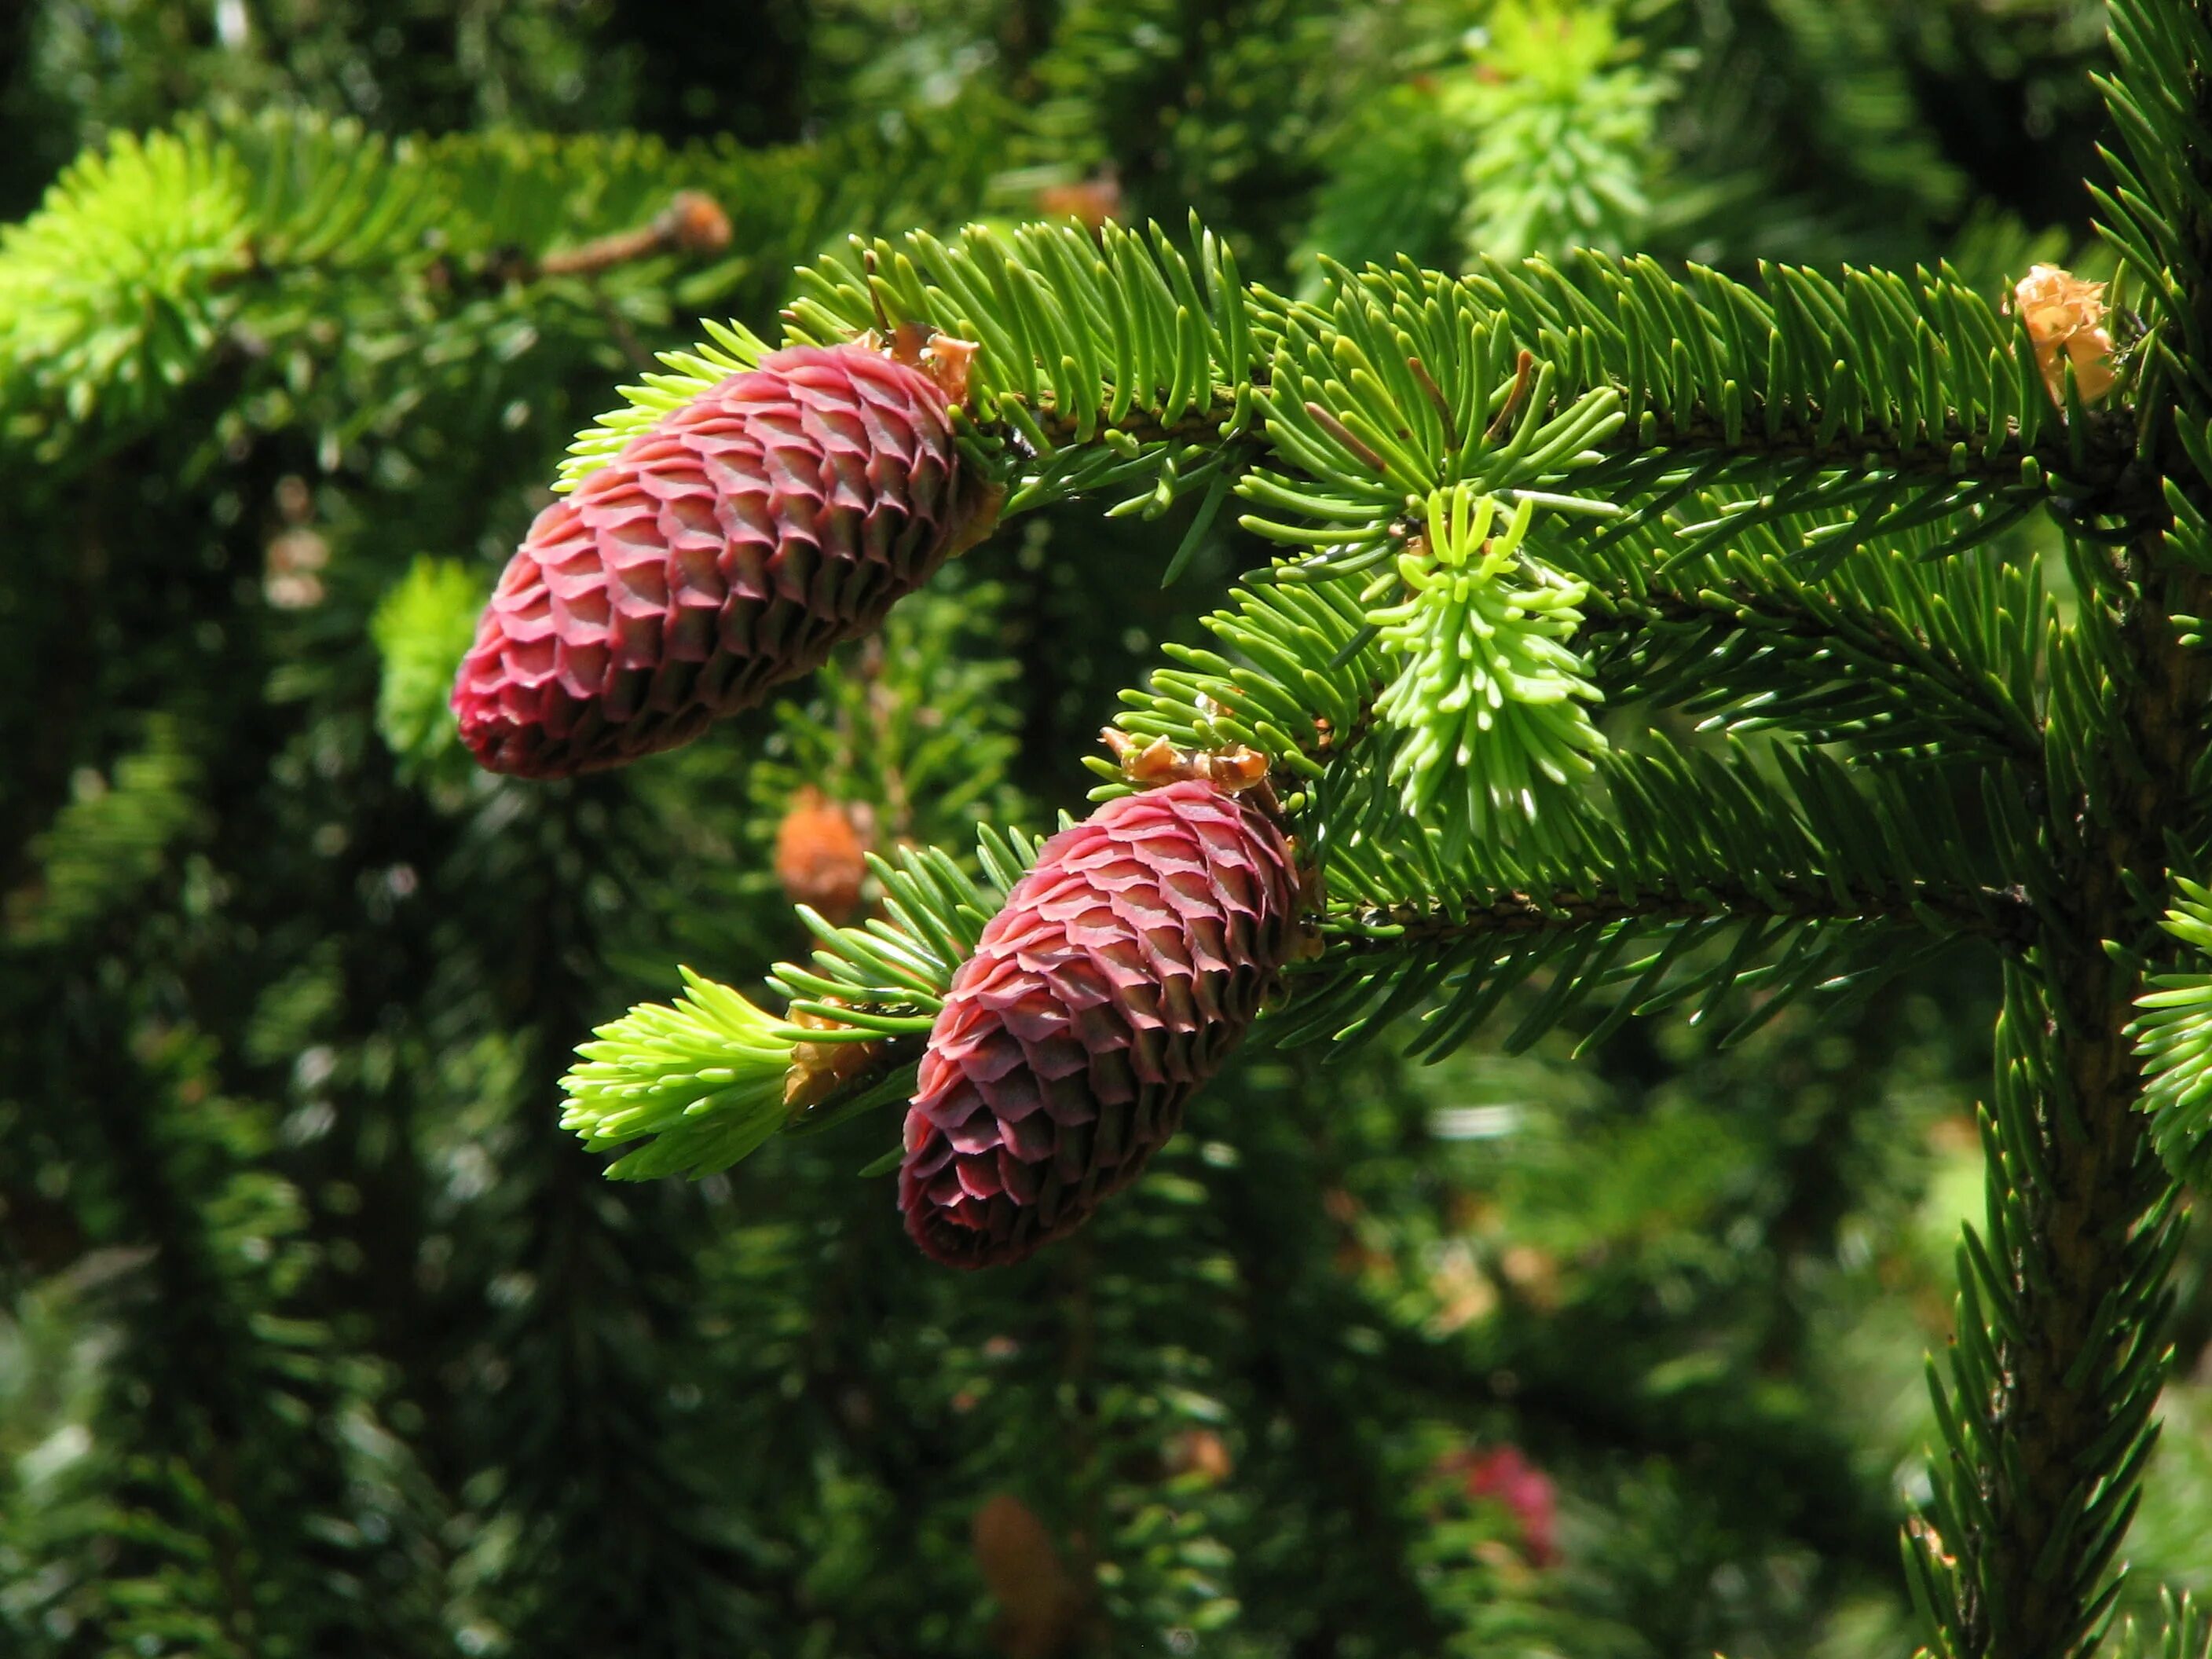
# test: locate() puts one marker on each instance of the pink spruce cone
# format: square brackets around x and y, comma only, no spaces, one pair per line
[1123,969]
[721,552]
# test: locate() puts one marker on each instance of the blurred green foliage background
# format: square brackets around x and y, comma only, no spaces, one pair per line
[319,1338]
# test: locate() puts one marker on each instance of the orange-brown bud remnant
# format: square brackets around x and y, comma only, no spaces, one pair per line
[1157,761]
[945,360]
[292,579]
[2065,314]
[1090,201]
[695,223]
[1233,770]
[943,357]
[819,1069]
[820,857]
[1041,1602]
[1198,1451]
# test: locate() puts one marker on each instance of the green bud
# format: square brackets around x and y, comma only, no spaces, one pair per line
[705,1078]
[1488,700]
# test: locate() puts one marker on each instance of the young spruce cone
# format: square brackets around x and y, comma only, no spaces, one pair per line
[1122,971]
[721,552]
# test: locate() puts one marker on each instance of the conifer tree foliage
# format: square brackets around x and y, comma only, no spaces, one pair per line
[1724,719]
[1807,460]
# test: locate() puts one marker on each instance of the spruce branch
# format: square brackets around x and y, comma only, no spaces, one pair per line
[285,238]
[2001,915]
[1897,403]
[2058,1358]
[421,626]
[110,295]
[326,198]
[1755,658]
[1798,869]
[1454,964]
[111,840]
[704,1082]
[1130,365]
[1776,506]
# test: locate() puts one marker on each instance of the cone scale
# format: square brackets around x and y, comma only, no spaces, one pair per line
[1123,969]
[721,552]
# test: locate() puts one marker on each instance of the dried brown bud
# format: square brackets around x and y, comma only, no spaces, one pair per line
[2066,315]
[1039,1602]
[819,1069]
[1532,1272]
[1090,201]
[945,358]
[819,856]
[1198,1451]
[290,578]
[1146,763]
[1234,770]
[946,362]
[694,222]
[908,341]
[294,499]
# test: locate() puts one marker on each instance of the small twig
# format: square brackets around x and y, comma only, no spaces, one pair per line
[2003,915]
[692,223]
